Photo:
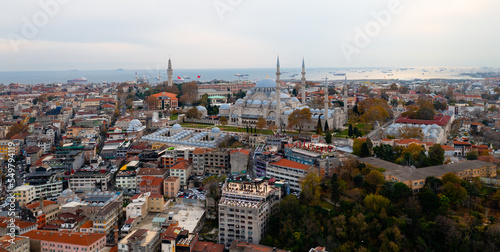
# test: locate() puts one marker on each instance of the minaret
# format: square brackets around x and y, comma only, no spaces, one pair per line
[303,79]
[169,72]
[159,78]
[278,94]
[135,77]
[345,95]
[327,101]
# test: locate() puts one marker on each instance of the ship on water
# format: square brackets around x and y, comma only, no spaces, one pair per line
[82,80]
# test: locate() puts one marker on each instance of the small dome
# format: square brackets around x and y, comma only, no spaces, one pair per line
[266,102]
[215,130]
[283,95]
[249,101]
[294,99]
[249,92]
[225,106]
[273,94]
[266,83]
[240,101]
[201,108]
[256,102]
[273,103]
[177,126]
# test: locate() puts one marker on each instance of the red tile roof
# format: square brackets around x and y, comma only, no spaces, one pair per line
[447,147]
[82,239]
[87,224]
[290,164]
[154,181]
[169,95]
[183,165]
[244,151]
[37,204]
[4,221]
[201,246]
[171,233]
[440,120]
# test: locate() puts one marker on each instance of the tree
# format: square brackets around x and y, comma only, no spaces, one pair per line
[356,147]
[375,178]
[455,192]
[350,132]
[365,151]
[428,200]
[151,102]
[451,177]
[355,109]
[328,138]
[319,129]
[15,129]
[299,119]
[440,105]
[403,90]
[311,189]
[193,113]
[189,93]
[436,154]
[261,123]
[335,197]
[376,202]
[472,155]
[327,129]
[393,86]
[223,120]
[426,113]
[433,184]
[364,89]
[355,131]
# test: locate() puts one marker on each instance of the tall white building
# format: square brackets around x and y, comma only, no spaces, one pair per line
[244,210]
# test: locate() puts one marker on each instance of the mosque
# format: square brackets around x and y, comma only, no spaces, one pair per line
[274,103]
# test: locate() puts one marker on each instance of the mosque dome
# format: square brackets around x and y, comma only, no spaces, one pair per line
[294,99]
[176,126]
[249,101]
[266,83]
[201,108]
[266,102]
[215,130]
[256,102]
[283,95]
[225,106]
[239,101]
[67,192]
[273,94]
[249,92]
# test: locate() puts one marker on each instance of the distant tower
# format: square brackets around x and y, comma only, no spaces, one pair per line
[345,95]
[169,72]
[327,101]
[303,79]
[159,78]
[135,77]
[278,94]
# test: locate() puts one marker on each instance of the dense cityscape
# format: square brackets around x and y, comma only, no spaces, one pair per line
[214,166]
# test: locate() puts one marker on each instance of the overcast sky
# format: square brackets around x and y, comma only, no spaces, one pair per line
[113,34]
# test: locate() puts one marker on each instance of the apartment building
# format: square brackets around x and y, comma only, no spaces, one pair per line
[25,194]
[16,244]
[141,240]
[171,186]
[244,210]
[106,219]
[88,181]
[41,240]
[183,170]
[156,204]
[151,184]
[217,162]
[289,171]
[41,212]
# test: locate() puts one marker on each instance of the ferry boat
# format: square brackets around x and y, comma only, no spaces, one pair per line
[82,80]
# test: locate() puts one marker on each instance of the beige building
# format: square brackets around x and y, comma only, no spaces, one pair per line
[16,244]
[106,219]
[415,178]
[156,203]
[139,206]
[244,210]
[171,186]
[182,170]
[25,194]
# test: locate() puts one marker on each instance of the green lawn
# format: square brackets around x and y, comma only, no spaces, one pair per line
[174,117]
[239,129]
